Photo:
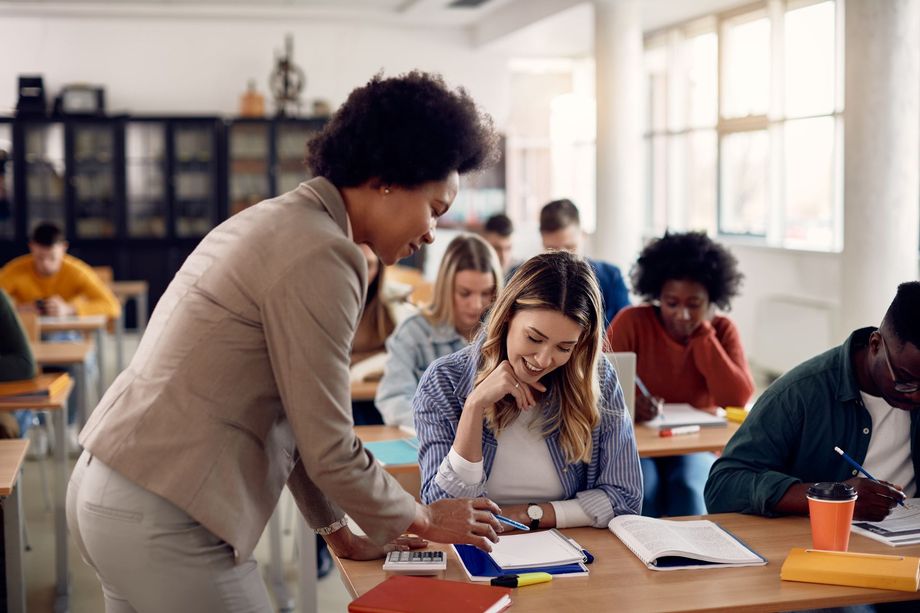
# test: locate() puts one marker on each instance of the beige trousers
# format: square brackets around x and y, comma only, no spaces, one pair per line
[149,555]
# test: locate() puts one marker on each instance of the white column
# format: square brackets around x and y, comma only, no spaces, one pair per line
[882,156]
[618,54]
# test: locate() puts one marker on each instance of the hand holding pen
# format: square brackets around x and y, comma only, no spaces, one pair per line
[648,407]
[875,499]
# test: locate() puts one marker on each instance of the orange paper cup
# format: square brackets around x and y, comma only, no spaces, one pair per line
[830,507]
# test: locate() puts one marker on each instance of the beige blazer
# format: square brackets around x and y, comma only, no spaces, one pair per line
[240,382]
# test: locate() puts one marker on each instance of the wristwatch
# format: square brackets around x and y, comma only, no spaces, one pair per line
[535,513]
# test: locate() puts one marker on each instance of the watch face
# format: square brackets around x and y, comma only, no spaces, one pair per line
[535,511]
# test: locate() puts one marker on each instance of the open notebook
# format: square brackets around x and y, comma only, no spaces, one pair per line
[674,415]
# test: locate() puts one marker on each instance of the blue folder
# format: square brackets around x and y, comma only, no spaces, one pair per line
[396,452]
[480,564]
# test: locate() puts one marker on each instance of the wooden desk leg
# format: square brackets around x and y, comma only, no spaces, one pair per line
[275,570]
[12,536]
[100,362]
[62,589]
[307,548]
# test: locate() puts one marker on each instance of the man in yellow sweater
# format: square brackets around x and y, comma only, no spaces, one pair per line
[55,283]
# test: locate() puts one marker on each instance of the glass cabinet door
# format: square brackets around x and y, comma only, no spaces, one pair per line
[290,151]
[145,157]
[44,172]
[194,178]
[93,179]
[249,164]
[7,207]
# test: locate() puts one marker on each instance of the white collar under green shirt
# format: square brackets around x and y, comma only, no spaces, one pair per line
[523,472]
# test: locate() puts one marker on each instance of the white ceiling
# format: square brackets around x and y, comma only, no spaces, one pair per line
[565,32]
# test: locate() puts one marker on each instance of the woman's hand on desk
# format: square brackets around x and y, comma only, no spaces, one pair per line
[346,544]
[459,520]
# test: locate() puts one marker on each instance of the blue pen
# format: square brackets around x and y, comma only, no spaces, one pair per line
[511,522]
[857,466]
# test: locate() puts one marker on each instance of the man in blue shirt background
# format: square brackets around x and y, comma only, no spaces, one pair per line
[560,229]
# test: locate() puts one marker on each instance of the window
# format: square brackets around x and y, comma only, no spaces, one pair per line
[744,127]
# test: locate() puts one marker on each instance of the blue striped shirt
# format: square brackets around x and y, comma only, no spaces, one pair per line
[609,485]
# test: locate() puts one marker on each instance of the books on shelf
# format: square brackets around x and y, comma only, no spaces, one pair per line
[41,387]
[547,551]
[397,452]
[405,594]
[852,568]
[901,527]
[664,544]
[674,415]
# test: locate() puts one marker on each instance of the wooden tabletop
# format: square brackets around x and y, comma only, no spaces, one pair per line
[618,579]
[12,453]
[364,390]
[61,354]
[78,323]
[128,289]
[57,401]
[651,445]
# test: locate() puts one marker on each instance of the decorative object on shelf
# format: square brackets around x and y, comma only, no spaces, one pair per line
[31,96]
[80,99]
[252,103]
[287,81]
[322,108]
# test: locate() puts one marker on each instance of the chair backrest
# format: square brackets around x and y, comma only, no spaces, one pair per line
[29,321]
[105,273]
[625,364]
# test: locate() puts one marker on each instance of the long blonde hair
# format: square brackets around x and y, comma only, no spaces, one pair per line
[465,252]
[565,283]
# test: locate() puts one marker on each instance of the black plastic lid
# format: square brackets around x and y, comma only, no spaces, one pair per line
[832,491]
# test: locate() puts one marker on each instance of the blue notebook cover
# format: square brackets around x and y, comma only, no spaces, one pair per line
[396,452]
[480,566]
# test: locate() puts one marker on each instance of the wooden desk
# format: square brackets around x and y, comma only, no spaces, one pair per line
[619,580]
[84,324]
[651,445]
[124,291]
[12,453]
[56,405]
[364,390]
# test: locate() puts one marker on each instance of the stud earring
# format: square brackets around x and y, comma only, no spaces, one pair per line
[386,191]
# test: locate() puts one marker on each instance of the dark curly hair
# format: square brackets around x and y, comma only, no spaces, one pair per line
[404,131]
[690,256]
[902,314]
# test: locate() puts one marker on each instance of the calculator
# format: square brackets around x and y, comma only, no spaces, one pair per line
[415,562]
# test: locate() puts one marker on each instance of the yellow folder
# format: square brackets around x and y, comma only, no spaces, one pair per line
[851,568]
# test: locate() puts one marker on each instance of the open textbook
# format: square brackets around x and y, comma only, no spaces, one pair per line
[674,415]
[902,527]
[674,545]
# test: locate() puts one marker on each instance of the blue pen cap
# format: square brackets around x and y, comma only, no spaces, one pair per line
[828,490]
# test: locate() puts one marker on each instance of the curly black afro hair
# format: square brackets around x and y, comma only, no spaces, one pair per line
[902,314]
[404,131]
[690,256]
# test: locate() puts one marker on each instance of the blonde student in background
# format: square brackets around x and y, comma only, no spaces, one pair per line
[532,412]
[468,280]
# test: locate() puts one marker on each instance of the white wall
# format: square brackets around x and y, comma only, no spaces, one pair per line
[194,65]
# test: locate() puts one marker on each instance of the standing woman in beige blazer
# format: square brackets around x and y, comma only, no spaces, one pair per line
[240,384]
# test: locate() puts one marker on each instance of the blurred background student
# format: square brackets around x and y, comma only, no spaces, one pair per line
[16,362]
[497,231]
[468,281]
[685,352]
[532,412]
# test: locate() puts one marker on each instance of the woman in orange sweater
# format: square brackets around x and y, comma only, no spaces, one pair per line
[685,352]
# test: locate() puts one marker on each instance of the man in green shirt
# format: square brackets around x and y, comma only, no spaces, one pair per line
[861,397]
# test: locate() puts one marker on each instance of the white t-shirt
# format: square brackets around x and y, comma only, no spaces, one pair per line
[522,472]
[888,457]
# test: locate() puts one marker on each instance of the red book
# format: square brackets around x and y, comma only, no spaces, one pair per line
[404,594]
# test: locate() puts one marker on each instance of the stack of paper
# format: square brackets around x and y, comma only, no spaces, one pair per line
[902,527]
[548,551]
[682,414]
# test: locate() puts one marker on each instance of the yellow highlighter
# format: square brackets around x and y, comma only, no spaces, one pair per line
[521,580]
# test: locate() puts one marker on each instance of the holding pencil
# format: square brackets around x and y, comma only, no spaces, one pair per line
[858,466]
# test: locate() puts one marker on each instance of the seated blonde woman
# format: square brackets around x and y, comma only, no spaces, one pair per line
[468,279]
[532,413]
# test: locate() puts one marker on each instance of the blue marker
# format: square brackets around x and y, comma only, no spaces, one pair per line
[858,466]
[511,522]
